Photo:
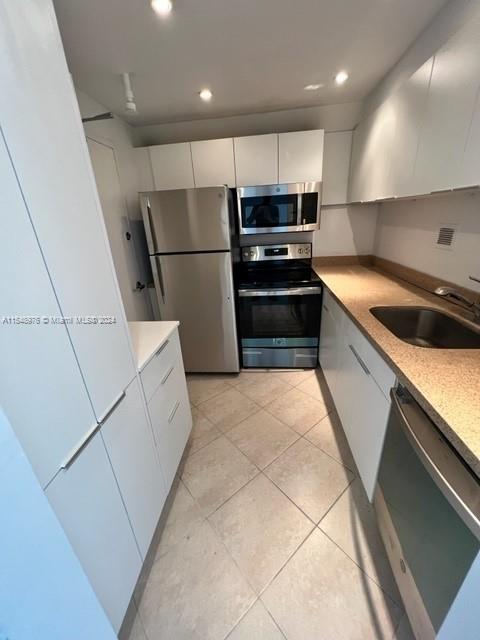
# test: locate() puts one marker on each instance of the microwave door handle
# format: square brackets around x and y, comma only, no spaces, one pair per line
[449,474]
[300,221]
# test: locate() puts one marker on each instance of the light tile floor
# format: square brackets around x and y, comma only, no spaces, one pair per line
[267,533]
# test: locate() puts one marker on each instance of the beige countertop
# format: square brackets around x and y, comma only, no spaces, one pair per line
[445,382]
[148,337]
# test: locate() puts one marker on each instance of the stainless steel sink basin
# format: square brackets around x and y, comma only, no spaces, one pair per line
[425,327]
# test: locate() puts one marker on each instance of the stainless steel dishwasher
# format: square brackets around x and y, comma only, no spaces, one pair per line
[427,503]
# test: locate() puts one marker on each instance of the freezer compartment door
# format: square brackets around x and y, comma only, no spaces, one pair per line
[187,220]
[197,290]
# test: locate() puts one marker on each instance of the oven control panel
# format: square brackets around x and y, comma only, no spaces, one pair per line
[277,252]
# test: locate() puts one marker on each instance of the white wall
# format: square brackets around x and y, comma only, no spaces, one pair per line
[338,117]
[44,593]
[346,231]
[407,233]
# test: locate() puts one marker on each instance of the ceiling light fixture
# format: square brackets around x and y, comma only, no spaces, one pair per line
[341,77]
[206,95]
[313,87]
[130,106]
[162,7]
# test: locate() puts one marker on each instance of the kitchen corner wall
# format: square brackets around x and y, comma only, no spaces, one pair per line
[407,233]
[347,230]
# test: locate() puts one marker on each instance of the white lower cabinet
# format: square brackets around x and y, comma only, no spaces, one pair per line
[169,406]
[88,504]
[131,449]
[359,381]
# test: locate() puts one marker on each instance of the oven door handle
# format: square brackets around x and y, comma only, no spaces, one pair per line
[263,293]
[450,475]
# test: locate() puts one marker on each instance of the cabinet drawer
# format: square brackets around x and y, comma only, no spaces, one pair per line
[379,370]
[171,418]
[159,369]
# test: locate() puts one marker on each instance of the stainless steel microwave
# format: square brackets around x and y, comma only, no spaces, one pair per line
[277,208]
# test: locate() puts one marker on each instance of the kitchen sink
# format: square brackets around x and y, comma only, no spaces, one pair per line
[426,327]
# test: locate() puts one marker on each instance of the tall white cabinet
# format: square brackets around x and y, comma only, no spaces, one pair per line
[70,386]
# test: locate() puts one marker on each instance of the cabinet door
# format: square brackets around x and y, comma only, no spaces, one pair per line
[88,504]
[256,160]
[358,179]
[336,167]
[366,422]
[470,168]
[450,107]
[172,166]
[378,152]
[328,347]
[409,103]
[213,163]
[47,145]
[171,418]
[300,156]
[41,387]
[131,449]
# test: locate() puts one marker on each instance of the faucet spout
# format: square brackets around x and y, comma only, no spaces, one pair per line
[450,292]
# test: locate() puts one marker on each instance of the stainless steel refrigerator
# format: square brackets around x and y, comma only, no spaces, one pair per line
[189,242]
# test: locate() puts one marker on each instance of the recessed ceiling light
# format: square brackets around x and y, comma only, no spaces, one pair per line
[341,77]
[162,7]
[206,95]
[313,87]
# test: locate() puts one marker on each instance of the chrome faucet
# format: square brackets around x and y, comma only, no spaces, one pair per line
[450,292]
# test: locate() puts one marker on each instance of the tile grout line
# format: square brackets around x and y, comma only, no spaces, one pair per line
[398,604]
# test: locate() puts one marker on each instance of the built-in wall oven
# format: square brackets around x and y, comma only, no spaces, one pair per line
[279,305]
[428,507]
[279,207]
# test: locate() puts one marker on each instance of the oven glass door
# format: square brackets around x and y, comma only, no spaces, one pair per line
[280,318]
[277,212]
[436,548]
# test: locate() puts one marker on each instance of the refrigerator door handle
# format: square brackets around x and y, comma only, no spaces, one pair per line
[158,269]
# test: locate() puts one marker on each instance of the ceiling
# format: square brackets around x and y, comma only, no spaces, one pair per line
[255,55]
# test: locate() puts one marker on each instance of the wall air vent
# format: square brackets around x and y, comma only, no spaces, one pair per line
[446,236]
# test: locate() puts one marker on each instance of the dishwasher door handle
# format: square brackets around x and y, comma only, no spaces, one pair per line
[455,481]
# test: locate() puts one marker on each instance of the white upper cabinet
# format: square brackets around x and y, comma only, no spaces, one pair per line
[213,163]
[172,166]
[378,152]
[359,169]
[49,412]
[43,130]
[300,156]
[256,160]
[448,115]
[470,167]
[409,104]
[336,166]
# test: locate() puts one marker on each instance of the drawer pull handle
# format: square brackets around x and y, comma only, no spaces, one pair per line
[73,455]
[174,411]
[162,348]
[326,309]
[167,375]
[360,361]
